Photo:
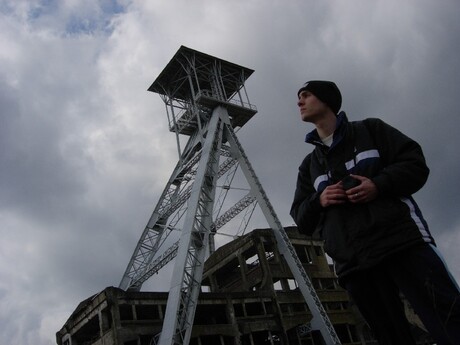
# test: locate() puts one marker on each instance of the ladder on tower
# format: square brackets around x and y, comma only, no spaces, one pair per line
[204,100]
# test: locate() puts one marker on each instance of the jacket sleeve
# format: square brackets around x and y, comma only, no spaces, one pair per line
[306,208]
[404,169]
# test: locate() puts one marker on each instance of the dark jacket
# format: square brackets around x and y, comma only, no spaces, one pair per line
[358,236]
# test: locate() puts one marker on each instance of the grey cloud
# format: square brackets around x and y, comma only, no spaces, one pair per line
[86,151]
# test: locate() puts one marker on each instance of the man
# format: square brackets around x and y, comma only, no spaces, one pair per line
[355,190]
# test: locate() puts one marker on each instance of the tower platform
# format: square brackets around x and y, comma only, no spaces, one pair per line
[193,83]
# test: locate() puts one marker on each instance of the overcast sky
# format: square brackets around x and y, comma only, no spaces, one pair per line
[85,150]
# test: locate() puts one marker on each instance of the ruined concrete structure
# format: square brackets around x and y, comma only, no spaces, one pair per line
[248,297]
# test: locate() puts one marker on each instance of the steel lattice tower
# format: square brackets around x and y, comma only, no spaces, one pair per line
[206,100]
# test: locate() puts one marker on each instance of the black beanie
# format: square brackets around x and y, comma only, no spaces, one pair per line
[326,91]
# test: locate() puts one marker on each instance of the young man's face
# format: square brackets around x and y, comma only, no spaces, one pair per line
[311,108]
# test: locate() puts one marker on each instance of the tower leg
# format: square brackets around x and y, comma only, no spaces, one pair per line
[173,197]
[320,319]
[194,240]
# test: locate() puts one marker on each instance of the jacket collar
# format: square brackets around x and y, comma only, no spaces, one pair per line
[340,128]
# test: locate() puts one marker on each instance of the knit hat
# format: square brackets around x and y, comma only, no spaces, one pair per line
[326,91]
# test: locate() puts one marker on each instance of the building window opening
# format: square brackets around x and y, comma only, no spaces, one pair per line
[210,314]
[298,307]
[312,338]
[252,261]
[270,256]
[254,308]
[328,284]
[318,250]
[147,312]
[147,339]
[285,308]
[228,273]
[345,334]
[277,286]
[269,308]
[126,312]
[303,254]
[239,311]
[330,306]
[106,320]
[89,333]
[292,284]
[262,337]
[316,283]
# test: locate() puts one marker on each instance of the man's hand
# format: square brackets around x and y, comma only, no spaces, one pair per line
[365,192]
[333,195]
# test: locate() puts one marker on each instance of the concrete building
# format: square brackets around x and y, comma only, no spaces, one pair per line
[248,297]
